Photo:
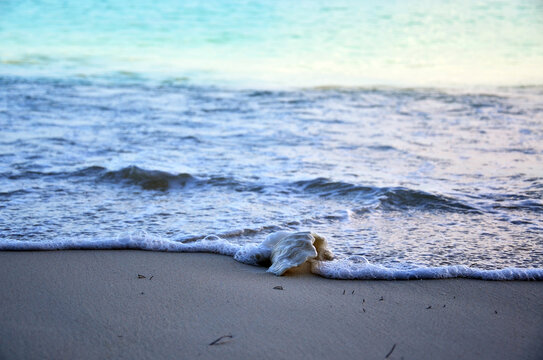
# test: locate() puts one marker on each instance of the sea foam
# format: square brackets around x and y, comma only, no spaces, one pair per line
[209,244]
[283,251]
[348,270]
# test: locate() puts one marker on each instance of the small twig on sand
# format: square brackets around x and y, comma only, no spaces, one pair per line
[390,352]
[343,291]
[151,278]
[219,342]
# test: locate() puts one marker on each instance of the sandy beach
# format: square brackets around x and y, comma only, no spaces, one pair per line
[149,305]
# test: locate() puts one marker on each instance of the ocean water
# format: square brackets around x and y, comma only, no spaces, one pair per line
[409,134]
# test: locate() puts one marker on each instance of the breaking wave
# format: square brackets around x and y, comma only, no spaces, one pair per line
[386,198]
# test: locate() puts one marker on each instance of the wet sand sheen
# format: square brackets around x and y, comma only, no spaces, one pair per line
[93,304]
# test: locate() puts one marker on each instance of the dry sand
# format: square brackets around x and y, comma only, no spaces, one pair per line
[92,305]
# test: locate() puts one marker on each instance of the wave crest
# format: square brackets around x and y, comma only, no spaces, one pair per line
[389,198]
[148,179]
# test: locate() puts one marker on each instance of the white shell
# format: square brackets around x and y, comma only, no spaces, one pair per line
[289,249]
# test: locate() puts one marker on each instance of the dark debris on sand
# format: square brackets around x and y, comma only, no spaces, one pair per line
[390,352]
[221,340]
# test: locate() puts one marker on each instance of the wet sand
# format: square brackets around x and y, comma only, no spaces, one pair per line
[93,305]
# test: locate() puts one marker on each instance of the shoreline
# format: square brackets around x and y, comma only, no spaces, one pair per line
[92,304]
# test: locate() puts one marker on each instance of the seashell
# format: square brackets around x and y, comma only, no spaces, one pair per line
[289,250]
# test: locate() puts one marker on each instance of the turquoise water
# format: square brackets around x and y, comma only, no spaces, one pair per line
[277,43]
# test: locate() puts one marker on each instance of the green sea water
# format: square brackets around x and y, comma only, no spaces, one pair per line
[277,43]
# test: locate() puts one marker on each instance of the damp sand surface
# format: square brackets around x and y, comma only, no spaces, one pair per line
[135,305]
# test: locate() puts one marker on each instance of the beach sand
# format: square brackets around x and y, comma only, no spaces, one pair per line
[93,305]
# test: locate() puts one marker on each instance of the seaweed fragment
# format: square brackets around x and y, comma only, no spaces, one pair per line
[390,352]
[219,340]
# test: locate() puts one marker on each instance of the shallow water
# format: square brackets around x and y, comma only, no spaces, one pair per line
[404,178]
[155,126]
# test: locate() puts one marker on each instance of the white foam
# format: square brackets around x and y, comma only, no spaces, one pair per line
[210,244]
[253,254]
[354,268]
[348,270]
